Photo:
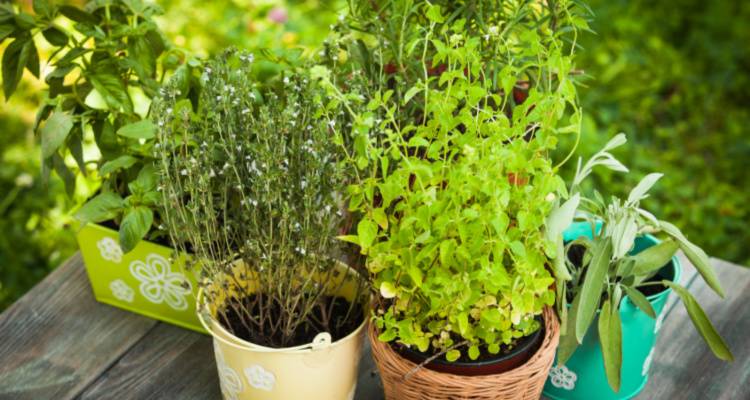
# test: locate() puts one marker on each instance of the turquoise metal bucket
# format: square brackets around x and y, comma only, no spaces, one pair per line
[583,376]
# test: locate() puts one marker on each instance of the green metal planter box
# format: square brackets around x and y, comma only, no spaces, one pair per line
[583,376]
[143,281]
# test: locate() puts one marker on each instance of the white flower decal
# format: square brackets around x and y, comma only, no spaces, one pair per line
[659,322]
[229,379]
[159,284]
[121,290]
[259,378]
[647,362]
[560,376]
[109,249]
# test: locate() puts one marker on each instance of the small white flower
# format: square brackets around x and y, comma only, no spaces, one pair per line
[550,197]
[121,291]
[561,377]
[245,111]
[109,249]
[259,378]
[494,30]
[332,123]
[184,172]
[300,250]
[286,80]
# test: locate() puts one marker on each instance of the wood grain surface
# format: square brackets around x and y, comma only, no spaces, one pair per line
[57,342]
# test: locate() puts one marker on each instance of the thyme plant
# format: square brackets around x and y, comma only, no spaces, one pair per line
[250,181]
[608,270]
[455,175]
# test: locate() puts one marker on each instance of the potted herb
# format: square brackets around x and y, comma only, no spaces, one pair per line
[107,61]
[251,189]
[620,278]
[453,192]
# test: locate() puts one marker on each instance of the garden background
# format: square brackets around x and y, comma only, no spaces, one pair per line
[673,75]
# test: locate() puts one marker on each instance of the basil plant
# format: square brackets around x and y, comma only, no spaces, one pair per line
[106,63]
[608,270]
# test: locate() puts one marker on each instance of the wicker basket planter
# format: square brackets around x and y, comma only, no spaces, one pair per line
[524,382]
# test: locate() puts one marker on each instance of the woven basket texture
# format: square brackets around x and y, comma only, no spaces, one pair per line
[522,383]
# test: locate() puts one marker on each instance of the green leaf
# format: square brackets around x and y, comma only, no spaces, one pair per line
[702,323]
[55,36]
[696,255]
[463,323]
[410,93]
[76,14]
[639,191]
[349,238]
[42,7]
[143,129]
[145,182]
[103,207]
[434,15]
[452,355]
[568,341]
[134,227]
[6,30]
[557,221]
[610,337]
[54,132]
[640,301]
[654,258]
[591,291]
[473,352]
[13,65]
[367,231]
[113,91]
[24,21]
[64,173]
[122,162]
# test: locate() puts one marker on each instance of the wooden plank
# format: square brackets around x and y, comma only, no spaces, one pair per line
[168,363]
[683,366]
[369,386]
[57,339]
[173,363]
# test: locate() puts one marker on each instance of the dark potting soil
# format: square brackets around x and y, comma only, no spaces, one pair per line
[575,255]
[484,353]
[340,323]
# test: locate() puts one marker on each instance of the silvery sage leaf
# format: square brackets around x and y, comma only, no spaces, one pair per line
[696,255]
[610,337]
[639,191]
[702,323]
[593,283]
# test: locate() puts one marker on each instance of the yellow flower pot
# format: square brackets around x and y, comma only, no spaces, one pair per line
[323,369]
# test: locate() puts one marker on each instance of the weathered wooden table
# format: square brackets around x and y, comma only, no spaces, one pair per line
[58,343]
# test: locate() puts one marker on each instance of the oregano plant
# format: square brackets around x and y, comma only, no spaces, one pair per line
[454,174]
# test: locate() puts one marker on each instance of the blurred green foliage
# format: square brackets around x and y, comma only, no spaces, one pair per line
[673,75]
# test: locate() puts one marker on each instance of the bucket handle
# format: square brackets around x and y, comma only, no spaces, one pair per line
[321,341]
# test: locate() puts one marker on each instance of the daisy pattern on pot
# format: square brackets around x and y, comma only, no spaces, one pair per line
[561,377]
[121,290]
[259,378]
[647,362]
[159,284]
[229,380]
[109,249]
